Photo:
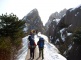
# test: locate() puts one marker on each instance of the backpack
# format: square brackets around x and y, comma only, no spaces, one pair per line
[31,43]
[41,43]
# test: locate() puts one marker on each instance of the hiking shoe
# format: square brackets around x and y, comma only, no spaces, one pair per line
[31,58]
[43,58]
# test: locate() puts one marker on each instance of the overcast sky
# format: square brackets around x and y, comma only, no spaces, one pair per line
[44,7]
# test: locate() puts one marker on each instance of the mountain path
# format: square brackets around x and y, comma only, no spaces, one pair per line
[36,54]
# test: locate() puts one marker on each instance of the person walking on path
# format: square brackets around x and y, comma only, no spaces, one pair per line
[40,44]
[31,44]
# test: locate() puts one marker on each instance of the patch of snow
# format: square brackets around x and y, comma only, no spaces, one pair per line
[69,47]
[24,18]
[57,20]
[36,39]
[63,38]
[30,12]
[57,40]
[68,34]
[25,29]
[75,8]
[51,38]
[71,10]
[70,25]
[62,30]
[64,15]
[23,51]
[52,53]
[64,53]
[76,13]
[62,35]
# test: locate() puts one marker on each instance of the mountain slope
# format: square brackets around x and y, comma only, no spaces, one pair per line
[63,34]
[33,21]
[56,15]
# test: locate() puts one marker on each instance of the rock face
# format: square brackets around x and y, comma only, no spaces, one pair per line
[55,15]
[52,22]
[63,31]
[51,28]
[33,21]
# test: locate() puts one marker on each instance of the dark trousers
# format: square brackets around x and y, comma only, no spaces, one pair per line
[32,52]
[41,52]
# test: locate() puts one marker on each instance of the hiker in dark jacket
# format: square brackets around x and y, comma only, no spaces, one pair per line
[32,44]
[40,44]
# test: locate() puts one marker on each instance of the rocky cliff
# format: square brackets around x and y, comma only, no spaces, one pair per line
[63,33]
[56,15]
[53,21]
[33,21]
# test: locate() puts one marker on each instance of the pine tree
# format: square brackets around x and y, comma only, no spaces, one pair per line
[10,25]
[11,32]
